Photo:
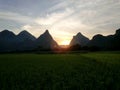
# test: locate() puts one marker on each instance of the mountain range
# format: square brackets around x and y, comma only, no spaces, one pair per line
[110,42]
[26,41]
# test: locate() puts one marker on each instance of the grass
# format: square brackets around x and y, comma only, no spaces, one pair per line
[92,71]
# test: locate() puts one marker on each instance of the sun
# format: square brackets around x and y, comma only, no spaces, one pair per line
[65,42]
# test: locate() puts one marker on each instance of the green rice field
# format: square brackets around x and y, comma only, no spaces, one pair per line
[81,71]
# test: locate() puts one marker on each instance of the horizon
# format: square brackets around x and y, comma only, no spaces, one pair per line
[64,44]
[63,19]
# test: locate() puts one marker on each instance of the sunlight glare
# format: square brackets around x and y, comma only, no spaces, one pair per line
[65,42]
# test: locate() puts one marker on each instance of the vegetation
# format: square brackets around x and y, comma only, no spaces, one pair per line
[93,71]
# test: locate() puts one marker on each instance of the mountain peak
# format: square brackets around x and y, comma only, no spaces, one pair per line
[79,39]
[117,32]
[46,41]
[98,35]
[7,33]
[47,32]
[78,34]
[26,35]
[24,32]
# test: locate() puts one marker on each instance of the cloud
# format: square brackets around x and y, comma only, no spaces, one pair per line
[55,17]
[16,17]
[65,18]
[60,25]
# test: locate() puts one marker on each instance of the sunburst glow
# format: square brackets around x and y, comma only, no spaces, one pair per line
[63,18]
[65,42]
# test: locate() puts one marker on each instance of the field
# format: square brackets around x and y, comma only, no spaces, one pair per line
[83,71]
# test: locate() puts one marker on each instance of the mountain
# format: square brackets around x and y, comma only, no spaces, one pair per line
[25,40]
[45,41]
[79,39]
[25,36]
[98,40]
[117,32]
[11,42]
[7,39]
[110,42]
[116,40]
[6,34]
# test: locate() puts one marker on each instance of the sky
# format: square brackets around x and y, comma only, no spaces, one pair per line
[63,18]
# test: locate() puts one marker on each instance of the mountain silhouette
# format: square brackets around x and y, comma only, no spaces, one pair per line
[117,32]
[79,39]
[110,42]
[25,36]
[116,40]
[46,41]
[7,40]
[6,34]
[11,42]
[98,40]
[25,41]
